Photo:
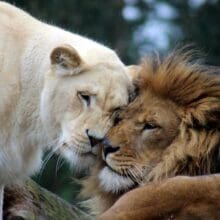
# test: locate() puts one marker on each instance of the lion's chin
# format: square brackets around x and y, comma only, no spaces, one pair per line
[115,183]
[79,161]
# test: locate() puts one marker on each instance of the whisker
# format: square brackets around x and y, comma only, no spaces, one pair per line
[59,164]
[45,161]
[137,173]
[132,176]
[47,158]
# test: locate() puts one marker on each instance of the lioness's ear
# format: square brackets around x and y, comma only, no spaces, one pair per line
[133,71]
[65,60]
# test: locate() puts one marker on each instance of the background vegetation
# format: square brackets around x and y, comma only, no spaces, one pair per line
[133,28]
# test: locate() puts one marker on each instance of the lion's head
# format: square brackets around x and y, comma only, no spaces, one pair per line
[79,99]
[171,128]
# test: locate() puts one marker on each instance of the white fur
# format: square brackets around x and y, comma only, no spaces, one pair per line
[79,162]
[1,201]
[39,106]
[113,182]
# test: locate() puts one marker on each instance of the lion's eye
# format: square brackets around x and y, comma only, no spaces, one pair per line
[117,119]
[149,126]
[86,98]
[116,116]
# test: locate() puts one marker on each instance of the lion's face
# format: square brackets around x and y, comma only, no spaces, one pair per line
[80,106]
[138,142]
[172,127]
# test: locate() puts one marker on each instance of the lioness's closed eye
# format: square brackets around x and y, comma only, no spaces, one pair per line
[171,128]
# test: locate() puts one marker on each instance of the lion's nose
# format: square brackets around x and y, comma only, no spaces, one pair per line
[108,148]
[93,140]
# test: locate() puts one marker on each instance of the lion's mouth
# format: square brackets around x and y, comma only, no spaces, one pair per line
[122,174]
[115,182]
[114,170]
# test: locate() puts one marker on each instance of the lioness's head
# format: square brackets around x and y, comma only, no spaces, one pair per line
[79,100]
[172,127]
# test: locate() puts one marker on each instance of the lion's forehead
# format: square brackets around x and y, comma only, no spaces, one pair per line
[150,109]
[129,132]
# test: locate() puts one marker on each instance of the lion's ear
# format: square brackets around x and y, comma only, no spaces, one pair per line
[65,60]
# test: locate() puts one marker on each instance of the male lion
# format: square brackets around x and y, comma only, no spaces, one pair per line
[56,89]
[171,128]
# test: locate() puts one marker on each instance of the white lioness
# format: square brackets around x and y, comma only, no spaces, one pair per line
[56,89]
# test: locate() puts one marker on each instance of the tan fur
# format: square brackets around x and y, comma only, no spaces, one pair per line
[178,198]
[181,99]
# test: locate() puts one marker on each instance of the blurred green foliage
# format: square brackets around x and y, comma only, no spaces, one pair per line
[199,24]
[132,28]
[99,20]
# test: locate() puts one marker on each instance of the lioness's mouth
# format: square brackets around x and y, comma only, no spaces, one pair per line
[80,151]
[79,160]
[87,154]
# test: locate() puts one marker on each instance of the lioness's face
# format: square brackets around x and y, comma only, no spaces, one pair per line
[136,144]
[80,108]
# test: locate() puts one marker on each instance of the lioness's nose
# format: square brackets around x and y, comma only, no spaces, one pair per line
[108,148]
[93,140]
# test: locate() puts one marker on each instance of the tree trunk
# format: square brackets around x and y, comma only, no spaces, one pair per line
[31,202]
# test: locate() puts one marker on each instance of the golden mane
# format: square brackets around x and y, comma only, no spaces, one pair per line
[186,82]
[195,89]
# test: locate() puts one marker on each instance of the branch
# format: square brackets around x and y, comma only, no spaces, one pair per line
[31,202]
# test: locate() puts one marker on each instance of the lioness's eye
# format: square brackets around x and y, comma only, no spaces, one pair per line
[149,126]
[86,98]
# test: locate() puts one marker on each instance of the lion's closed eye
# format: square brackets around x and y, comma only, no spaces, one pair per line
[149,126]
[117,119]
[117,115]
